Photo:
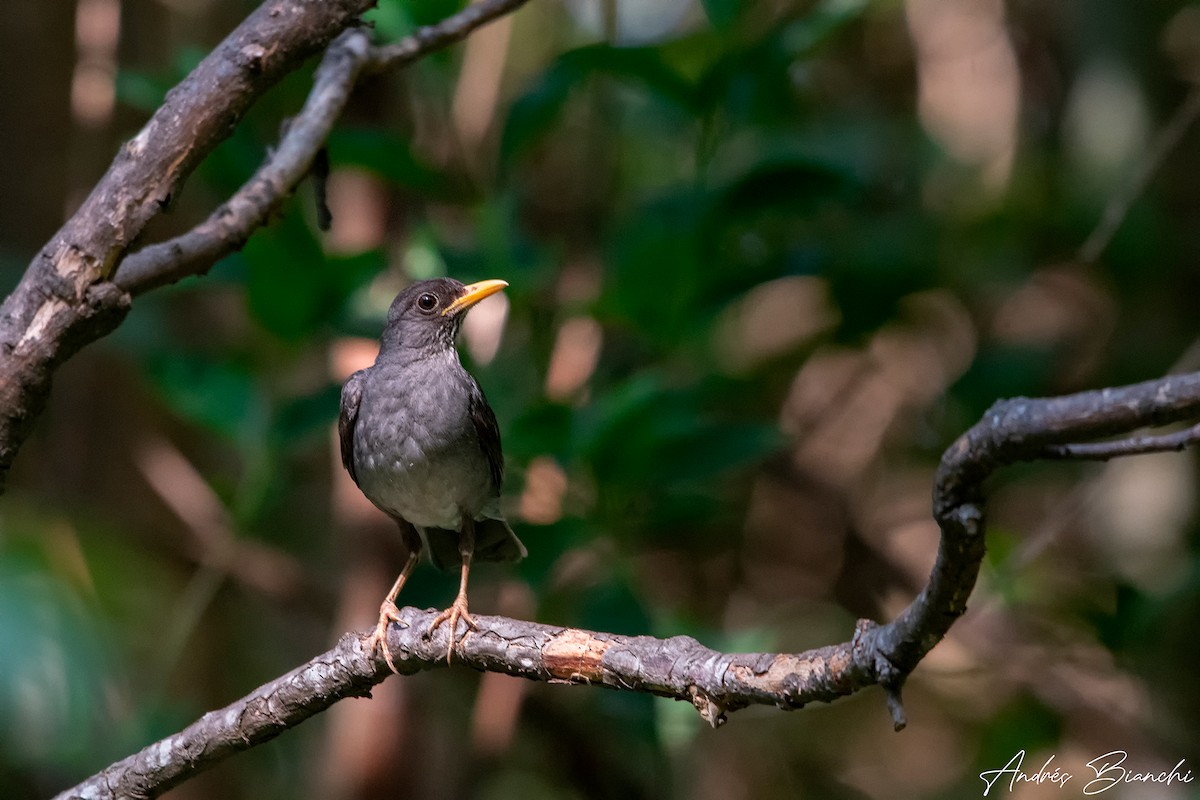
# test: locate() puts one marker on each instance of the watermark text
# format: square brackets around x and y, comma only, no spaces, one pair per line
[1098,775]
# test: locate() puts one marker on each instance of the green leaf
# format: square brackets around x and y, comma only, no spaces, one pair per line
[390,19]
[543,428]
[285,281]
[141,90]
[215,394]
[534,113]
[711,449]
[292,287]
[1023,724]
[431,12]
[658,275]
[390,157]
[304,419]
[52,666]
[642,431]
[821,24]
[723,14]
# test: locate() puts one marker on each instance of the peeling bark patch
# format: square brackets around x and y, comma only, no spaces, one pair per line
[40,324]
[575,655]
[710,710]
[72,265]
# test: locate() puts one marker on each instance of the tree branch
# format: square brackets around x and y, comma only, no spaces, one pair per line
[1020,429]
[681,668]
[65,299]
[230,226]
[79,287]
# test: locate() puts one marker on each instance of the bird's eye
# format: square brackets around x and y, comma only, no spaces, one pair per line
[427,302]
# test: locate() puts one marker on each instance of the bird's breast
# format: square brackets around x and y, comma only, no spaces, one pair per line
[416,451]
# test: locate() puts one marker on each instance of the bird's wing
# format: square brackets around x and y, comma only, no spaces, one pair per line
[487,432]
[348,418]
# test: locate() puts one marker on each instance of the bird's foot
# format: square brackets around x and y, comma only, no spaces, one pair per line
[457,611]
[388,613]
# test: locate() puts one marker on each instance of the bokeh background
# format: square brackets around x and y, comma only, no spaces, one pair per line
[766,261]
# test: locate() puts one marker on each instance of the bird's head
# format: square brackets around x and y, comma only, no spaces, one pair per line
[426,316]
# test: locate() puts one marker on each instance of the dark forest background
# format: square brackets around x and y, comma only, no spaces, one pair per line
[767,260]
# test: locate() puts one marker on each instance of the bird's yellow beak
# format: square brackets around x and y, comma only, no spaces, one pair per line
[472,294]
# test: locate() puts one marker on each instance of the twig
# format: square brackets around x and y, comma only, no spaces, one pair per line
[1118,205]
[1137,445]
[262,715]
[445,33]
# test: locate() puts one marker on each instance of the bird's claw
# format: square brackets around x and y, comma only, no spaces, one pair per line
[388,613]
[457,611]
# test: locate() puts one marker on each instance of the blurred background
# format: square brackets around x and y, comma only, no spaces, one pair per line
[767,260]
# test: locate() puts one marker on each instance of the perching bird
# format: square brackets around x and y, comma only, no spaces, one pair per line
[421,441]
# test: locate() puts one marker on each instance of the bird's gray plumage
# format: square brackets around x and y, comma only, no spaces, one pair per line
[419,438]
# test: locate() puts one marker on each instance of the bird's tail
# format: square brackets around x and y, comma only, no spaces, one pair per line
[494,541]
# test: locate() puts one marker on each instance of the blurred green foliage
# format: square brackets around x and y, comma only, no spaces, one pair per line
[671,175]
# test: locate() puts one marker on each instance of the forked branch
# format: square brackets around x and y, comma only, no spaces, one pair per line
[80,285]
[228,228]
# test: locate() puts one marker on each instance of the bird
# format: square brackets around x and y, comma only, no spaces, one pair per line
[419,439]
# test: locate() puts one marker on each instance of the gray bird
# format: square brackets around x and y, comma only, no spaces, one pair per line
[420,440]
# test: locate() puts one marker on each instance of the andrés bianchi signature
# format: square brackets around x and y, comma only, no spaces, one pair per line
[1103,773]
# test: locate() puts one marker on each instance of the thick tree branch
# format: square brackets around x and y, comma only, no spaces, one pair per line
[80,285]
[680,667]
[65,299]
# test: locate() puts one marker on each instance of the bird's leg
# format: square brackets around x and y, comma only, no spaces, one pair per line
[388,612]
[458,609]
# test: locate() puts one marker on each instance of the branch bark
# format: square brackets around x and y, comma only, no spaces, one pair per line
[714,683]
[680,667]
